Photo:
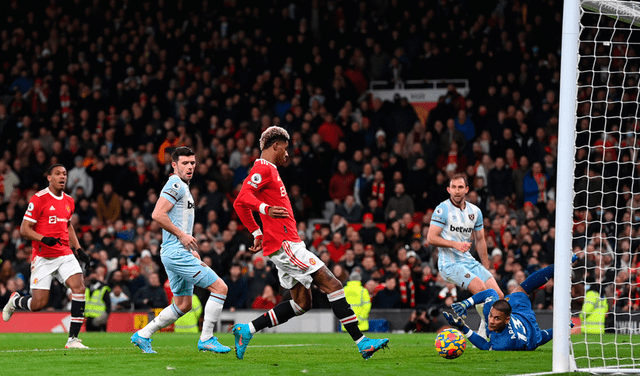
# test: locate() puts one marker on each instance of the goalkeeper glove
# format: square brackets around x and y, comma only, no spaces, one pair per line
[461,308]
[50,241]
[456,322]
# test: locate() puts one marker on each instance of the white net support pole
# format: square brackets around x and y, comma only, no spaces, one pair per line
[564,187]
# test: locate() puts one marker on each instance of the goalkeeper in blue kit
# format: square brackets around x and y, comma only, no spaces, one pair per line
[511,322]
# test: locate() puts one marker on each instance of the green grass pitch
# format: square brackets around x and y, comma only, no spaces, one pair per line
[267,354]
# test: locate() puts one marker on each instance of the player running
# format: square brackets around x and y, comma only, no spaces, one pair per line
[47,223]
[512,324]
[264,192]
[174,212]
[452,224]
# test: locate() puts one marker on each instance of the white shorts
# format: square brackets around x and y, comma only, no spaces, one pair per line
[43,270]
[295,264]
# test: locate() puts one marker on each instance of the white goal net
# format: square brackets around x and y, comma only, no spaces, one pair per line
[605,293]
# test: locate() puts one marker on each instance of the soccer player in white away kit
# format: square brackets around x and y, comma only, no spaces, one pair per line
[452,224]
[264,192]
[175,212]
[47,223]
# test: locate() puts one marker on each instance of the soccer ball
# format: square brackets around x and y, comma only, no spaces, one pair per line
[450,343]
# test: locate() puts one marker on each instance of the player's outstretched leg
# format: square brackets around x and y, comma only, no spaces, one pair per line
[10,307]
[344,313]
[142,338]
[242,335]
[278,315]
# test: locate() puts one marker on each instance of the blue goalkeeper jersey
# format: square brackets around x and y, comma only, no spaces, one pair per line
[183,212]
[522,331]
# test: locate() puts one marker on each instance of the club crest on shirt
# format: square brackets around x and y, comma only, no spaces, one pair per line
[472,216]
[312,261]
[35,280]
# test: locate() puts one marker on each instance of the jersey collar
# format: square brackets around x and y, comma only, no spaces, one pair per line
[260,159]
[54,196]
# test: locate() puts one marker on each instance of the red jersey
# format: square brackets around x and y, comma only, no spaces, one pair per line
[261,189]
[51,215]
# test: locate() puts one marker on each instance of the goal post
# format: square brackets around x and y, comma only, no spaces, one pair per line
[564,186]
[598,184]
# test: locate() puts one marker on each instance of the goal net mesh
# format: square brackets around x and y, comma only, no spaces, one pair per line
[606,229]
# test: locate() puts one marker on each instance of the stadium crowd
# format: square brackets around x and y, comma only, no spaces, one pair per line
[109,87]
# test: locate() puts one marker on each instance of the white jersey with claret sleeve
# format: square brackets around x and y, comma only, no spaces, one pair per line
[457,225]
[183,212]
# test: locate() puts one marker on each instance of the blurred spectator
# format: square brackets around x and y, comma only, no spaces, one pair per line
[109,205]
[341,183]
[400,204]
[238,289]
[151,295]
[267,300]
[119,299]
[389,297]
[350,210]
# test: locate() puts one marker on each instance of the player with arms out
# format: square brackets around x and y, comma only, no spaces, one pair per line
[264,192]
[175,212]
[47,223]
[452,224]
[512,324]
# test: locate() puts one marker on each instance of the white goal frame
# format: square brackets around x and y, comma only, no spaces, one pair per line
[627,12]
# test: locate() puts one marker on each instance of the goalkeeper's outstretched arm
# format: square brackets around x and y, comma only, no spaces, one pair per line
[459,324]
[461,308]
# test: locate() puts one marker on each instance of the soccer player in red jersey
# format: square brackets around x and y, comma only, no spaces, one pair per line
[264,192]
[47,223]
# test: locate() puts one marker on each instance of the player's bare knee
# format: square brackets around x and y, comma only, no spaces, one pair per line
[184,306]
[78,289]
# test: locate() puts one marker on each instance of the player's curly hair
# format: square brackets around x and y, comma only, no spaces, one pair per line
[271,135]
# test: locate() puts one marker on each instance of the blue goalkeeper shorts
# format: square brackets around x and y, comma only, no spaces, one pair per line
[184,271]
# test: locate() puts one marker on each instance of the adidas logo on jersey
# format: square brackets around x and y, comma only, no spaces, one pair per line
[52,208]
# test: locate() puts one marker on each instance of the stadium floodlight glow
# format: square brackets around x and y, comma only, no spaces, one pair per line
[599,142]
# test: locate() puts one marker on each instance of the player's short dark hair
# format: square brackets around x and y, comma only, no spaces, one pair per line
[460,176]
[180,152]
[50,169]
[272,135]
[503,306]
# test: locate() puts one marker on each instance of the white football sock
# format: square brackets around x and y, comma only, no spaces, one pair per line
[212,311]
[482,329]
[167,317]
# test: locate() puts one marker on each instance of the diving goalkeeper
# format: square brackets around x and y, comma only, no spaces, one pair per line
[511,322]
